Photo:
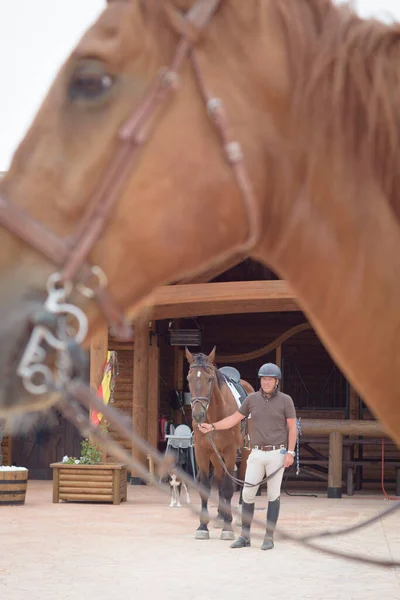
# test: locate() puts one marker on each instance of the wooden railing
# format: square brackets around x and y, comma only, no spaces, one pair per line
[336,429]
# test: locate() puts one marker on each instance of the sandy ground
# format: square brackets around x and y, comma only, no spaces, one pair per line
[144,549]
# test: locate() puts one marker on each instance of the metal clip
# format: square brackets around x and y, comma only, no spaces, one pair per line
[37,377]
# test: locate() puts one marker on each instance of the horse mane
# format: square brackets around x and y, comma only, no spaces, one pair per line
[345,78]
[346,88]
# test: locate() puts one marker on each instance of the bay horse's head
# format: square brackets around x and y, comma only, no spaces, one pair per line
[72,197]
[201,378]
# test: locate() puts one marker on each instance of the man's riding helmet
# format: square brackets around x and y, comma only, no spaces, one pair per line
[270,370]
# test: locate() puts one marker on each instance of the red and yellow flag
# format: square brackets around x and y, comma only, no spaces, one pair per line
[105,387]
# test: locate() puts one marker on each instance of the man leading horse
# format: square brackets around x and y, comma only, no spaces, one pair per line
[273,433]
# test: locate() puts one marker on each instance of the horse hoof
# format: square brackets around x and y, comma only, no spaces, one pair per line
[202,535]
[218,523]
[227,535]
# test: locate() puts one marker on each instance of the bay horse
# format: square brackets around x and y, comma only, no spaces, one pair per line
[212,400]
[305,98]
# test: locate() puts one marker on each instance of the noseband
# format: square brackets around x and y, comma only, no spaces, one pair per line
[204,401]
[71,254]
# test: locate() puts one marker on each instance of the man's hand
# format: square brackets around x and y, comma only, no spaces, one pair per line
[205,427]
[289,459]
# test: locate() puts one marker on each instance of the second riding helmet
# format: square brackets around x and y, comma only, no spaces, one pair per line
[270,370]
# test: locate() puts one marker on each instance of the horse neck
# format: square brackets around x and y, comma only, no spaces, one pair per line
[217,407]
[334,235]
[342,265]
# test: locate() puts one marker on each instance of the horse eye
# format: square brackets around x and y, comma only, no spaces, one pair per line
[89,86]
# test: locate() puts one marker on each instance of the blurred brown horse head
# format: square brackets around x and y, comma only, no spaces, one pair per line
[312,97]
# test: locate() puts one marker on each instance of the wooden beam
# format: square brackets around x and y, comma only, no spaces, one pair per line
[191,300]
[140,388]
[274,345]
[345,427]
[153,390]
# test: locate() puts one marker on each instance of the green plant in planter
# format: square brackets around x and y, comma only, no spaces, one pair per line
[90,455]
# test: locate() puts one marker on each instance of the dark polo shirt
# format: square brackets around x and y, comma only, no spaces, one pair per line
[268,417]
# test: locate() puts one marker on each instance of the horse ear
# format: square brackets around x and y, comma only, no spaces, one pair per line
[211,356]
[189,355]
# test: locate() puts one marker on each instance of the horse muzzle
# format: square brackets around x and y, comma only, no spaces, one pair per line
[199,409]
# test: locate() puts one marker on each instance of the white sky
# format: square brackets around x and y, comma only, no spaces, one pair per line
[35,38]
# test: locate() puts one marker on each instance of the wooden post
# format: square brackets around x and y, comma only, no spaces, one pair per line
[353,452]
[179,357]
[140,389]
[354,403]
[154,388]
[278,356]
[98,357]
[335,465]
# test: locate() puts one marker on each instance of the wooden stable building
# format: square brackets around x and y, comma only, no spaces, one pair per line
[251,317]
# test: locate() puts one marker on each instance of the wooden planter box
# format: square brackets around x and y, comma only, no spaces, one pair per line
[13,487]
[89,483]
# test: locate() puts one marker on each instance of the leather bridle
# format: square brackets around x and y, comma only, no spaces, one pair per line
[204,401]
[71,254]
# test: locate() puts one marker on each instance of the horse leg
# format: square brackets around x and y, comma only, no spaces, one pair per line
[202,532]
[225,496]
[226,493]
[218,522]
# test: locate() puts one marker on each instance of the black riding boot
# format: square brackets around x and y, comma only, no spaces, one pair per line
[247,516]
[272,517]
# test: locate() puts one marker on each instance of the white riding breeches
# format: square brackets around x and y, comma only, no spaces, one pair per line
[259,464]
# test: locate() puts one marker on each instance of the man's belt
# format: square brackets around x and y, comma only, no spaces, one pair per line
[268,448]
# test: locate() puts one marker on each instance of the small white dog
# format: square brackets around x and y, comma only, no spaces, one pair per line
[176,487]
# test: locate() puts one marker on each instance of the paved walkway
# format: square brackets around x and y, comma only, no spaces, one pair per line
[143,549]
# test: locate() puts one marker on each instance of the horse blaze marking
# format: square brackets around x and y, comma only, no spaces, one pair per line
[198,374]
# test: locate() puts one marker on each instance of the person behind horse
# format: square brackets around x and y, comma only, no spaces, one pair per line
[273,434]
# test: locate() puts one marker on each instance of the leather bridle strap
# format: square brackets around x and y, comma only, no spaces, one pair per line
[204,401]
